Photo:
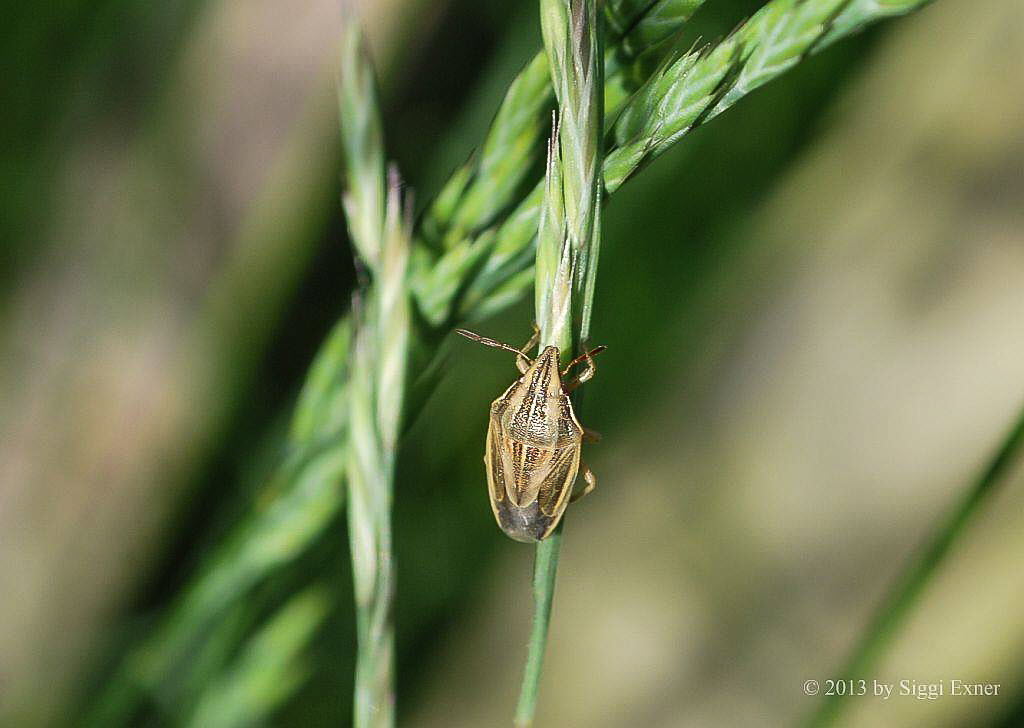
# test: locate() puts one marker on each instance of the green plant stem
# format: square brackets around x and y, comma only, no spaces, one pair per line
[567,246]
[545,569]
[380,228]
[907,591]
[377,392]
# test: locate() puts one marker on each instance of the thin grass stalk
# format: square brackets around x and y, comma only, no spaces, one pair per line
[377,386]
[545,569]
[381,238]
[568,234]
[919,573]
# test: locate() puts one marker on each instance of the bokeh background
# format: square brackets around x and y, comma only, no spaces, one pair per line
[813,308]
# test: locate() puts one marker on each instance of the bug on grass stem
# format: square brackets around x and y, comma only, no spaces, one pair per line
[534,440]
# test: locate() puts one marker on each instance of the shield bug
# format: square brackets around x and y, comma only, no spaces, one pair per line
[532,455]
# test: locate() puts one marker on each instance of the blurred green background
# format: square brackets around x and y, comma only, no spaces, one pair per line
[813,310]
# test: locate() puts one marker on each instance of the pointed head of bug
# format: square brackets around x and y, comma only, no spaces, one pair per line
[543,377]
[550,354]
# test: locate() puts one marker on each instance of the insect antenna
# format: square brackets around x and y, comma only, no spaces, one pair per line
[493,343]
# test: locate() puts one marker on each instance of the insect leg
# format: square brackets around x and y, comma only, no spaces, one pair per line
[523,362]
[590,436]
[588,357]
[587,373]
[520,355]
[589,478]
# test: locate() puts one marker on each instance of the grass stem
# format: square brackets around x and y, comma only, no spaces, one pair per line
[380,225]
[545,569]
[567,245]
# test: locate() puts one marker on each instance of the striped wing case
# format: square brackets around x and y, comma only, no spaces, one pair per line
[532,454]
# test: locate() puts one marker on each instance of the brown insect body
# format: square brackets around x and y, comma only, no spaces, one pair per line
[533,451]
